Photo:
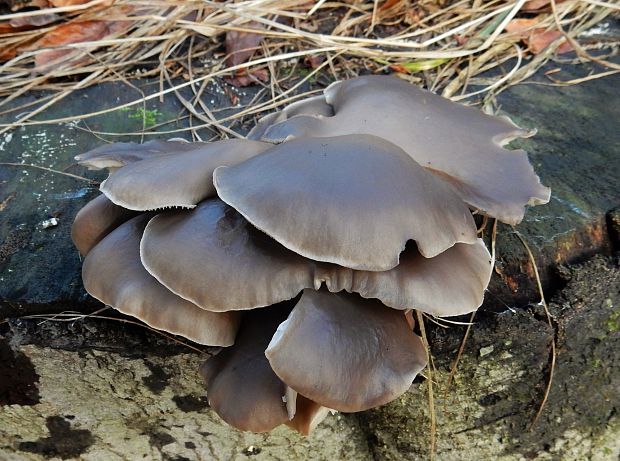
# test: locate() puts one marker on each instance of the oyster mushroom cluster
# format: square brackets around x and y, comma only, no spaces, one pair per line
[302,248]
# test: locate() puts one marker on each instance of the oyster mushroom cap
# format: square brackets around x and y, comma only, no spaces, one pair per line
[181,177]
[350,200]
[112,273]
[451,283]
[345,352]
[461,145]
[241,386]
[119,154]
[315,106]
[196,252]
[95,220]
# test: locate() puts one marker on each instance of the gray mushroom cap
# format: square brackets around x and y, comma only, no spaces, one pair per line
[459,144]
[112,273]
[350,200]
[315,106]
[117,155]
[95,220]
[241,386]
[451,283]
[345,352]
[213,257]
[181,177]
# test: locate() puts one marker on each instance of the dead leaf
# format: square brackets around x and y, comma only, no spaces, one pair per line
[314,61]
[240,45]
[461,39]
[535,5]
[5,27]
[58,3]
[537,38]
[73,32]
[521,27]
[16,5]
[389,4]
[35,21]
[243,78]
[540,39]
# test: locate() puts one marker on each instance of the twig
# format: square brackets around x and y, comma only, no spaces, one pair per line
[29,165]
[431,400]
[550,322]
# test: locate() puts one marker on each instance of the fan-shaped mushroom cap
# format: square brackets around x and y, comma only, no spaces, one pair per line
[112,273]
[346,352]
[350,200]
[314,106]
[195,253]
[95,220]
[180,178]
[241,387]
[461,145]
[451,283]
[214,258]
[119,154]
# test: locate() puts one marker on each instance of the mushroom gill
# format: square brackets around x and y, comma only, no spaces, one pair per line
[359,199]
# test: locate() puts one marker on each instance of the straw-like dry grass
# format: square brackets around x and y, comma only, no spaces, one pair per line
[444,45]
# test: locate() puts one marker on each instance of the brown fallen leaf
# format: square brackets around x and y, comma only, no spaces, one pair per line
[35,21]
[16,5]
[537,38]
[389,4]
[240,45]
[73,32]
[243,78]
[540,39]
[521,27]
[58,3]
[314,61]
[535,5]
[5,27]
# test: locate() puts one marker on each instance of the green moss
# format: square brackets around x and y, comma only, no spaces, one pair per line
[148,117]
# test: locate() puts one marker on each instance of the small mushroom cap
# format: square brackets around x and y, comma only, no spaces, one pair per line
[119,154]
[451,283]
[112,273]
[95,220]
[179,178]
[460,144]
[211,256]
[346,352]
[349,200]
[314,106]
[241,387]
